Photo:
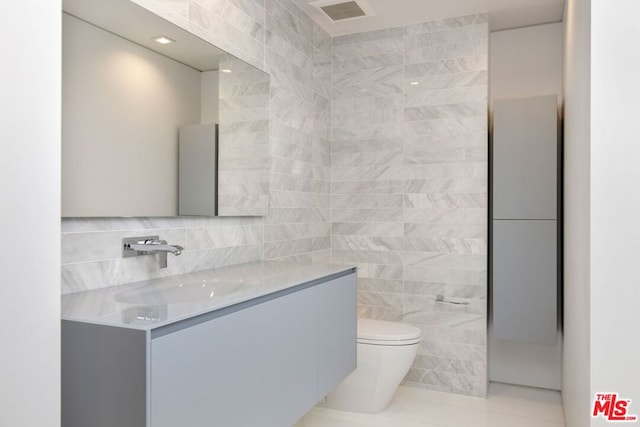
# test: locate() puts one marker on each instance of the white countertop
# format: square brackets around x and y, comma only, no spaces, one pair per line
[159,302]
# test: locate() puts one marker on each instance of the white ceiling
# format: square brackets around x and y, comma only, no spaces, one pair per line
[503,14]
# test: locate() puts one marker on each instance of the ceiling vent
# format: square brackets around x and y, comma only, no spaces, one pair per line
[343,11]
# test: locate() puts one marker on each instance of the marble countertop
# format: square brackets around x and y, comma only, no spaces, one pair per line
[154,303]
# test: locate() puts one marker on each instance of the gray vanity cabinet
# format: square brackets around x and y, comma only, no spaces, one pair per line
[337,332]
[264,363]
[240,369]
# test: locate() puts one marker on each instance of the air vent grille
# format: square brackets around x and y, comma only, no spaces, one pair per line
[340,11]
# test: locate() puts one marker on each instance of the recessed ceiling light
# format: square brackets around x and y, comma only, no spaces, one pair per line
[226,70]
[414,83]
[163,40]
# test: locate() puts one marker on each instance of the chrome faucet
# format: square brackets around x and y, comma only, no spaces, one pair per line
[149,245]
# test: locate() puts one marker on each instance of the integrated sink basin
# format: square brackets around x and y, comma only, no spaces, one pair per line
[181,291]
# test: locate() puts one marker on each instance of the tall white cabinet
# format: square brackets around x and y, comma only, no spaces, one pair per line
[525,219]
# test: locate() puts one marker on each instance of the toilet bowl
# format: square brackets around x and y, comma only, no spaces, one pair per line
[386,351]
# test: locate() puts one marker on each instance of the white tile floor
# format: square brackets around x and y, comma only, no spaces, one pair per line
[505,406]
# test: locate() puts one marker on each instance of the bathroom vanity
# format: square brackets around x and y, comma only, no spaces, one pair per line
[251,345]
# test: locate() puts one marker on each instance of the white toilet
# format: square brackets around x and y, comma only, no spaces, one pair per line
[386,351]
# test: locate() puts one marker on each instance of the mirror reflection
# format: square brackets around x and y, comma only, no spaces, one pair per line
[157,122]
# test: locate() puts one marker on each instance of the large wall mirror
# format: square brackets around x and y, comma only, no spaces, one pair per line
[156,121]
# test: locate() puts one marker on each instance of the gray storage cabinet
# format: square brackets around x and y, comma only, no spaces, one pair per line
[524,281]
[525,158]
[525,219]
[262,363]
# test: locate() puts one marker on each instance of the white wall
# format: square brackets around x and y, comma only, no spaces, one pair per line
[601,205]
[122,106]
[615,200]
[30,213]
[576,371]
[526,62]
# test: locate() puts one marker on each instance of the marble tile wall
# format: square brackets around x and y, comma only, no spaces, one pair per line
[298,58]
[409,187]
[243,139]
[277,37]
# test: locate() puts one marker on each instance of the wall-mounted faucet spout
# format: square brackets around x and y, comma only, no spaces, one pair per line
[149,245]
[156,246]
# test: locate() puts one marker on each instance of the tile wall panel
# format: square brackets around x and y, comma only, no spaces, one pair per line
[275,36]
[243,147]
[298,54]
[367,188]
[409,187]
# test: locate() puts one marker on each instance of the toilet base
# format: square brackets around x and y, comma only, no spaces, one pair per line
[372,385]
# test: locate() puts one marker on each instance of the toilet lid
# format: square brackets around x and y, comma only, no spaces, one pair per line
[380,331]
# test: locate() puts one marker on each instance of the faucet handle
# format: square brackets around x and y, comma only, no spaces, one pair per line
[148,241]
[128,251]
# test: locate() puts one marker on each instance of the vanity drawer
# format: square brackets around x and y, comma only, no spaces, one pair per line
[254,367]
